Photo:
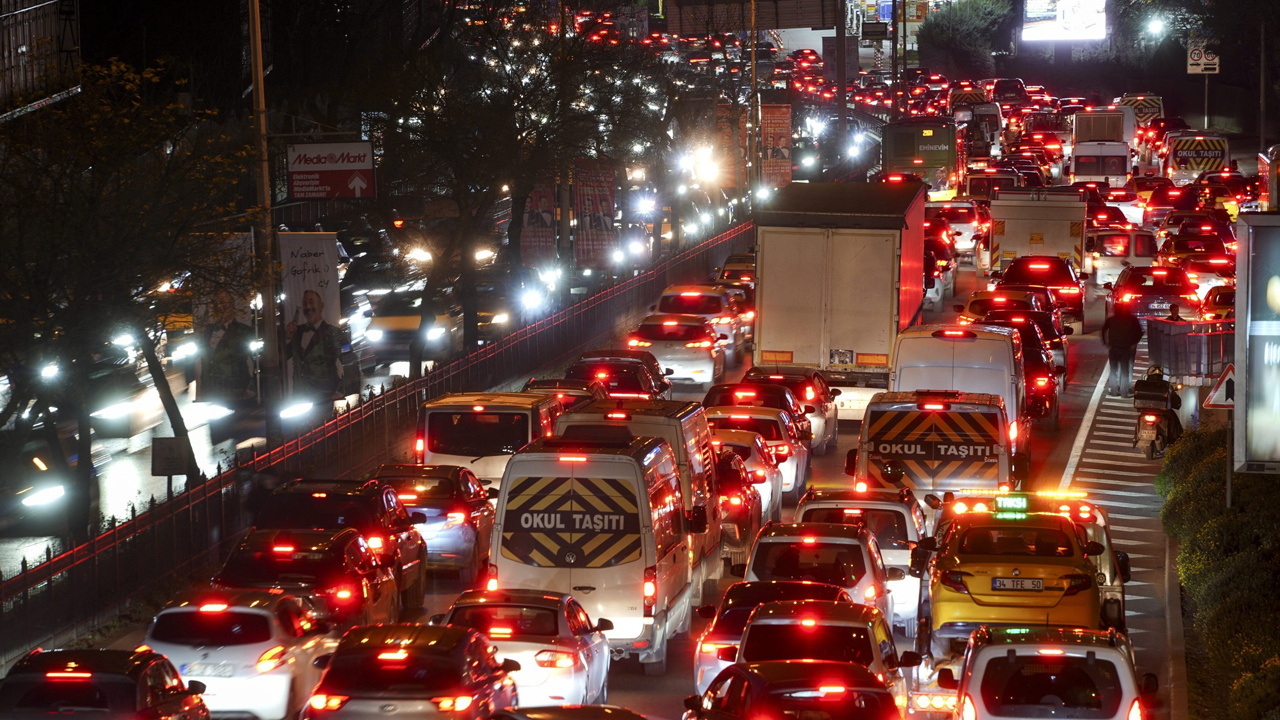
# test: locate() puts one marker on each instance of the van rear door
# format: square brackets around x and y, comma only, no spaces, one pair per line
[939,450]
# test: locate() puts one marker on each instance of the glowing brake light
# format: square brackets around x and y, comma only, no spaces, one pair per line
[572,458]
[327,702]
[934,406]
[698,344]
[634,342]
[282,549]
[1051,651]
[690,294]
[809,622]
[744,393]
[1135,711]
[809,393]
[1045,266]
[1013,432]
[68,675]
[320,495]
[213,607]
[453,704]
[1149,419]
[1159,273]
[271,659]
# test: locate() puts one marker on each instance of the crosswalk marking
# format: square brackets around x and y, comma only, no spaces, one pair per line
[1109,471]
[1124,493]
[1113,443]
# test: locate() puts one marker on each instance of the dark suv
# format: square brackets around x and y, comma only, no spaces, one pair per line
[369,506]
[101,683]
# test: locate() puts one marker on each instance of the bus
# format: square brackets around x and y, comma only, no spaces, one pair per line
[933,148]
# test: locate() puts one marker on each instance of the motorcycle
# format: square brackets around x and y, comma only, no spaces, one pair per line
[1157,426]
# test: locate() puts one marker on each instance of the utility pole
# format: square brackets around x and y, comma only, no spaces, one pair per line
[1262,88]
[266,235]
[753,113]
[842,75]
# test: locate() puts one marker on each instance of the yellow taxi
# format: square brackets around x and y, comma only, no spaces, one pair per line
[998,563]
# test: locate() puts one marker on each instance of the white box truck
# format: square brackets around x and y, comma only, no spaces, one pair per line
[1034,222]
[839,272]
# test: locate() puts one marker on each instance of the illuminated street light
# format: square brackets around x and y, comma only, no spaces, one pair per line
[1155,26]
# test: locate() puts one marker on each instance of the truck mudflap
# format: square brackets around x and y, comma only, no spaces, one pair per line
[937,452]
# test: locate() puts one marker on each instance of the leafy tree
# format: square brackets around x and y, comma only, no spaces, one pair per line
[957,39]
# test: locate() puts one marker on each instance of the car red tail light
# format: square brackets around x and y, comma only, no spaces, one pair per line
[636,342]
[375,542]
[1149,419]
[809,393]
[455,519]
[453,704]
[68,675]
[327,702]
[967,709]
[271,659]
[1070,290]
[1013,432]
[1077,583]
[650,589]
[698,344]
[1135,711]
[556,659]
[420,446]
[1042,382]
[954,579]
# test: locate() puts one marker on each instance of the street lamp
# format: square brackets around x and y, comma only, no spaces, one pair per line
[1155,26]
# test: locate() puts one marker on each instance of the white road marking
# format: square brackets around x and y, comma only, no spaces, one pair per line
[1124,493]
[1082,435]
[1135,453]
[1109,471]
[1109,433]
[1113,443]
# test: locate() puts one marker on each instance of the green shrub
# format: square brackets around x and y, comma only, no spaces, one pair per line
[1256,695]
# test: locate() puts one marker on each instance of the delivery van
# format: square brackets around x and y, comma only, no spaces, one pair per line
[604,519]
[480,431]
[1102,162]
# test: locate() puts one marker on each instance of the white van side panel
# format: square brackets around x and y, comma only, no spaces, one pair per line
[977,366]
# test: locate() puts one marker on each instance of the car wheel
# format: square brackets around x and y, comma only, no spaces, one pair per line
[470,572]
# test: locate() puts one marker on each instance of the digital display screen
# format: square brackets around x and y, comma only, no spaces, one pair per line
[1053,20]
[1262,382]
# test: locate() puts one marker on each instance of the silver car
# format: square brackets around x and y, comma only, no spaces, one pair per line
[685,345]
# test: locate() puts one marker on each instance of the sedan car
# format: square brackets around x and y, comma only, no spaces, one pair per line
[821,690]
[1051,272]
[458,514]
[1044,379]
[1054,336]
[741,512]
[966,221]
[563,655]
[632,355]
[984,301]
[810,388]
[624,380]
[252,649]
[687,346]
[712,304]
[570,393]
[760,395]
[430,671]
[99,684]
[789,447]
[1150,291]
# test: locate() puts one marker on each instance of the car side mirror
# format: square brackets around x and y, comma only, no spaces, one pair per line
[958,308]
[910,658]
[668,372]
[1122,562]
[836,393]
[652,308]
[809,409]
[895,574]
[727,654]
[722,336]
[195,687]
[1094,549]
[322,661]
[603,625]
[947,679]
[1107,286]
[1060,369]
[929,544]
[693,704]
[510,666]
[697,519]
[1084,276]
[1149,685]
[851,462]
[492,493]
[1068,330]
[417,517]
[933,501]
[706,612]
[437,619]
[738,569]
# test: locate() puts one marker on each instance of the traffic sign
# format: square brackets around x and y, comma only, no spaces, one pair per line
[1200,60]
[1223,394]
[325,171]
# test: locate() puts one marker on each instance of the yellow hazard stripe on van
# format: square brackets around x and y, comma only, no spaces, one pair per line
[932,446]
[571,522]
[1145,109]
[1211,153]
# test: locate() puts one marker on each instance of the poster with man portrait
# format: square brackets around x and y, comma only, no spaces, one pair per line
[538,228]
[312,349]
[222,321]
[593,198]
[775,144]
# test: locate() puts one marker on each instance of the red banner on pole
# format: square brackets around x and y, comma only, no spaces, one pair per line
[775,145]
[538,228]
[593,208]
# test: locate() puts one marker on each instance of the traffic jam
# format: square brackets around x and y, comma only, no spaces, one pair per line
[659,494]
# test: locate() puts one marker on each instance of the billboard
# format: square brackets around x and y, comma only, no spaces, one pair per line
[1257,409]
[312,349]
[775,145]
[1057,20]
[593,208]
[538,228]
[326,171]
[225,367]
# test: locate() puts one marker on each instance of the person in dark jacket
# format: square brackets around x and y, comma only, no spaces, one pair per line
[1121,333]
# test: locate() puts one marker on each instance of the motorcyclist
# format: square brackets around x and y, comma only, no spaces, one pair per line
[1169,412]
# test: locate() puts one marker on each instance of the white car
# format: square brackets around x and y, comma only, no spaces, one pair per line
[564,656]
[253,649]
[781,437]
[713,304]
[1129,203]
[966,222]
[760,463]
[687,347]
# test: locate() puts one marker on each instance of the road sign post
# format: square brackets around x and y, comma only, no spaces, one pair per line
[1202,61]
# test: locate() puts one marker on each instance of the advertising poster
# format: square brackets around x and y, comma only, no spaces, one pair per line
[223,324]
[538,231]
[1058,20]
[775,145]
[731,138]
[312,349]
[1261,408]
[593,208]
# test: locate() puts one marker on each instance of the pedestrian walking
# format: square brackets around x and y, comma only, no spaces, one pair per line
[1121,333]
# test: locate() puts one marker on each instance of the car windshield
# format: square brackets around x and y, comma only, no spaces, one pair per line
[671,331]
[1224,297]
[837,564]
[504,621]
[1101,164]
[768,429]
[211,629]
[812,703]
[319,510]
[617,378]
[1051,686]
[793,641]
[1206,244]
[1164,279]
[1043,320]
[984,186]
[254,567]
[1038,271]
[1016,541]
[364,673]
[889,526]
[955,214]
[981,306]
[35,694]
[476,433]
[691,304]
[420,491]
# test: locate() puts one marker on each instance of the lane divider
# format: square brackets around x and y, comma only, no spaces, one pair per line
[1082,435]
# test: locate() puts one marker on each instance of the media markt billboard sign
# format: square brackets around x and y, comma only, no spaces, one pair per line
[1257,356]
[328,171]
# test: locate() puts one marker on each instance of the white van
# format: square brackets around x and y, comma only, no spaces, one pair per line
[605,520]
[1103,162]
[1109,251]
[970,359]
[480,431]
[684,426]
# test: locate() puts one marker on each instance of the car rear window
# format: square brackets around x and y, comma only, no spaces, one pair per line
[768,429]
[954,215]
[1015,541]
[812,703]
[694,304]
[36,694]
[1167,279]
[1051,686]
[738,274]
[1205,244]
[1225,297]
[1087,165]
[477,434]
[251,566]
[1121,196]
[421,491]
[672,332]
[833,563]
[364,673]
[1037,271]
[746,396]
[214,629]
[617,378]
[889,526]
[793,641]
[984,186]
[331,512]
[504,621]
[982,306]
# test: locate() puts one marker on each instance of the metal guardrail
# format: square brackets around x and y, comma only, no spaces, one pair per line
[1191,349]
[90,584]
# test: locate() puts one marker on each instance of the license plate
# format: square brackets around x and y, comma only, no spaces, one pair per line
[1159,306]
[1026,584]
[207,670]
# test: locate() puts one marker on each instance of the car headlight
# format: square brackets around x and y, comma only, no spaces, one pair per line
[296,410]
[114,412]
[44,497]
[500,318]
[185,350]
[374,334]
[808,160]
[619,256]
[435,333]
[531,299]
[636,247]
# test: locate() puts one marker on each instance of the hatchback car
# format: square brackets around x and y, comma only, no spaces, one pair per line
[623,380]
[765,474]
[966,220]
[750,394]
[99,684]
[712,304]
[1054,335]
[370,507]
[252,649]
[984,301]
[810,388]
[782,438]
[736,606]
[570,393]
[632,355]
[403,319]
[459,516]
[789,689]
[335,567]
[563,655]
[1151,291]
[687,346]
[417,670]
[1219,304]
[1051,272]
